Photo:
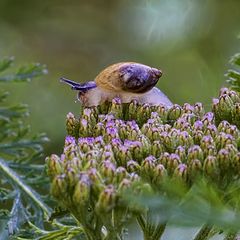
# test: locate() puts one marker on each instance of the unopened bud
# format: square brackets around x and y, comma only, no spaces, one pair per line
[198,125]
[83,127]
[120,174]
[211,130]
[107,200]
[181,172]
[54,166]
[71,176]
[232,149]
[189,118]
[123,155]
[198,109]
[223,139]
[234,96]
[97,182]
[163,112]
[117,108]
[143,113]
[108,170]
[111,133]
[136,149]
[185,139]
[170,161]
[223,91]
[174,112]
[124,184]
[209,150]
[194,168]
[85,144]
[233,130]
[89,115]
[208,118]
[159,174]
[181,152]
[210,166]
[81,195]
[100,129]
[157,119]
[223,126]
[147,167]
[133,106]
[224,160]
[195,152]
[146,145]
[236,114]
[206,141]
[182,124]
[236,163]
[133,166]
[59,186]
[72,125]
[157,148]
[197,136]
[188,108]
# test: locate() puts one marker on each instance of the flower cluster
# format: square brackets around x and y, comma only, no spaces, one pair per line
[227,107]
[113,146]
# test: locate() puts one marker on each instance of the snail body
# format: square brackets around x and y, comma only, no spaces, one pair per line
[126,80]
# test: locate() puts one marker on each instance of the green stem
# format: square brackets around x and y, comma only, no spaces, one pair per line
[112,236]
[25,188]
[90,232]
[141,221]
[144,227]
[159,231]
[203,233]
[150,231]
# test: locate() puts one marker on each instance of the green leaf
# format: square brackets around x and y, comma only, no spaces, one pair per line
[25,73]
[6,63]
[233,75]
[30,193]
[3,96]
[18,111]
[235,59]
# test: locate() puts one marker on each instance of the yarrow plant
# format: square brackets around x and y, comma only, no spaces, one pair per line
[123,164]
[116,155]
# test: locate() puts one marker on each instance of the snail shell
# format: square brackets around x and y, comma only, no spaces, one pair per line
[128,77]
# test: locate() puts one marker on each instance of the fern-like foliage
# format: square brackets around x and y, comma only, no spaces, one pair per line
[233,75]
[19,153]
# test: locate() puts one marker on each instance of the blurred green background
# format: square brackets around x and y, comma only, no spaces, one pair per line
[190,40]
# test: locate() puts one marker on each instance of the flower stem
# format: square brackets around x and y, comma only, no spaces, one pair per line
[203,233]
[150,231]
[159,231]
[141,221]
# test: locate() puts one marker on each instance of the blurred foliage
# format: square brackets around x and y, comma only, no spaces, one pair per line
[189,40]
[234,75]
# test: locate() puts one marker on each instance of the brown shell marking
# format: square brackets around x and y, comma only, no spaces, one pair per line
[110,79]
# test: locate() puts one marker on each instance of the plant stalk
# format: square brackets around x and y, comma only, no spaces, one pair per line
[203,233]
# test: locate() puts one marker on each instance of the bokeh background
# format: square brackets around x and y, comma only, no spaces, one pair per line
[190,40]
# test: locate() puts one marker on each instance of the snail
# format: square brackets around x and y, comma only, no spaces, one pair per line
[126,80]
